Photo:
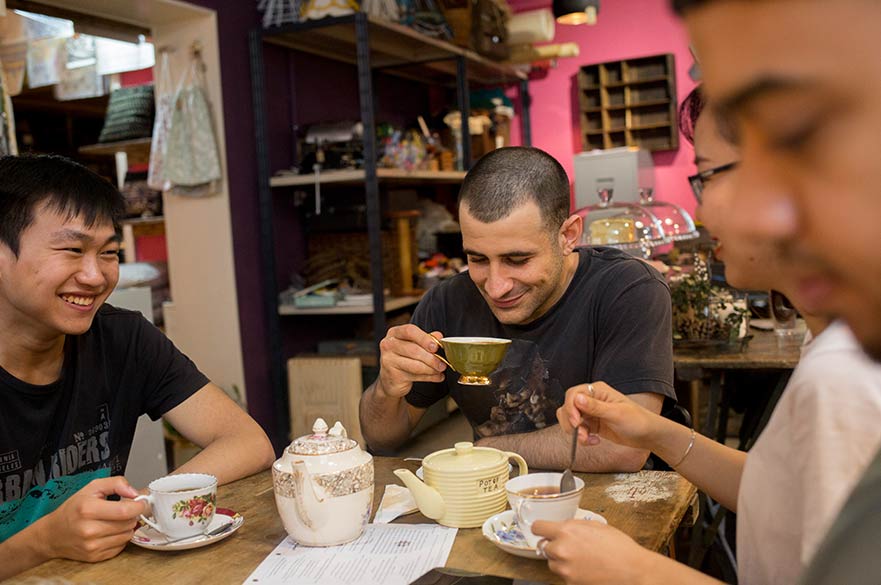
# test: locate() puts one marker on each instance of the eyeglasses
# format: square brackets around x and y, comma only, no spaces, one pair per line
[697,181]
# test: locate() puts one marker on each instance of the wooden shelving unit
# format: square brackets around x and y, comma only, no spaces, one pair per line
[395,49]
[358,176]
[629,103]
[373,46]
[391,304]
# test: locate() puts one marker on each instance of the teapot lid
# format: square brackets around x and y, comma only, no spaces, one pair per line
[464,456]
[323,441]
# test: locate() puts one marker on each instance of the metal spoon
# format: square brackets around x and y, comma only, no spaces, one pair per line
[567,482]
[217,531]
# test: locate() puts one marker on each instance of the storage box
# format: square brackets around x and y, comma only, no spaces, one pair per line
[325,387]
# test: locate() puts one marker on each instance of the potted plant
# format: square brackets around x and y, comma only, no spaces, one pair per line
[704,315]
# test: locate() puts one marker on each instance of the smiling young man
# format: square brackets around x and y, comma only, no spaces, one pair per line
[574,315]
[75,375]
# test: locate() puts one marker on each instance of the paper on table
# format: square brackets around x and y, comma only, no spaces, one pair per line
[396,501]
[386,554]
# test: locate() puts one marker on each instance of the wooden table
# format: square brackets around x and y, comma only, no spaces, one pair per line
[650,523]
[762,353]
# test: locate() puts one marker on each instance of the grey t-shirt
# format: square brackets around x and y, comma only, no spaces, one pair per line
[613,324]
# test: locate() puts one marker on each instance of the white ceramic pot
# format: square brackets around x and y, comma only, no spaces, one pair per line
[323,486]
[464,485]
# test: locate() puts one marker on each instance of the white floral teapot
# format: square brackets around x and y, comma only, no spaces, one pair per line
[324,487]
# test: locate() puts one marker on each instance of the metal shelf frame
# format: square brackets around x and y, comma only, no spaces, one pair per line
[400,51]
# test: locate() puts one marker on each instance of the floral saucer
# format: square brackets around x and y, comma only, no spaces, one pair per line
[502,531]
[148,537]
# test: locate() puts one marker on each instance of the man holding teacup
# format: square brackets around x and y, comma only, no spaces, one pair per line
[574,315]
[76,374]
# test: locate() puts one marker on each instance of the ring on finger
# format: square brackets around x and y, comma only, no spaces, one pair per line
[590,389]
[542,544]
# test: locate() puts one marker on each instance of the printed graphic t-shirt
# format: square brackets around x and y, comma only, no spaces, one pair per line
[613,324]
[56,438]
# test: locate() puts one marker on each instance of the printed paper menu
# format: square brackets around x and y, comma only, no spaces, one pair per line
[386,554]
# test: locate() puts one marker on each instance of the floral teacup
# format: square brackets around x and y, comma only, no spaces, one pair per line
[183,505]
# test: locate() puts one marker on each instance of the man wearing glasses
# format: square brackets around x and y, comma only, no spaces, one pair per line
[699,179]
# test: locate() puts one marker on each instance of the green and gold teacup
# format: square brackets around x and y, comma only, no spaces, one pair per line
[474,358]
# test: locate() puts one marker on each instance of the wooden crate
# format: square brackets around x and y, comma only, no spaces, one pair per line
[325,387]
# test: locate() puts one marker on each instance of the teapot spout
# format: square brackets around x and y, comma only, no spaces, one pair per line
[430,502]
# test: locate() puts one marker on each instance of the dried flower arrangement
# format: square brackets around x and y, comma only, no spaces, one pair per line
[703,313]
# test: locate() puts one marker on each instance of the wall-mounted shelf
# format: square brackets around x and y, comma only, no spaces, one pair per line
[358,176]
[391,304]
[137,150]
[629,103]
[396,49]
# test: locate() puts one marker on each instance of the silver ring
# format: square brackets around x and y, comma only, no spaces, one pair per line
[542,544]
[590,389]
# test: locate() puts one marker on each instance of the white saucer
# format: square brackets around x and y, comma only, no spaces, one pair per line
[502,531]
[148,537]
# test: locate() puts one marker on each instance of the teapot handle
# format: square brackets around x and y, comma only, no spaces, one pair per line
[521,462]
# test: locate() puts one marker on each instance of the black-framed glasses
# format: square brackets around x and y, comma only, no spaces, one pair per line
[697,181]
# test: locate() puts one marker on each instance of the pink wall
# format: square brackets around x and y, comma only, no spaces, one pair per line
[624,29]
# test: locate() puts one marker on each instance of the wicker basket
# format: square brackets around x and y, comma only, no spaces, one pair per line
[346,255]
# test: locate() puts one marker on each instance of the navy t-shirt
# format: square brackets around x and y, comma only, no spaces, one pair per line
[613,324]
[56,438]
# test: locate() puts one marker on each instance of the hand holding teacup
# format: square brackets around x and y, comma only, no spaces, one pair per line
[407,356]
[536,496]
[89,527]
[584,552]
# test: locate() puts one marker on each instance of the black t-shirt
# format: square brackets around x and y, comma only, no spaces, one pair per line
[613,324]
[56,438]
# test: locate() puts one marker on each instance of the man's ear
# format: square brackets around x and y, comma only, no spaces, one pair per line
[570,233]
[7,257]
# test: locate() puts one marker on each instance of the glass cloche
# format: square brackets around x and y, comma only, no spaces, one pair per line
[675,221]
[627,226]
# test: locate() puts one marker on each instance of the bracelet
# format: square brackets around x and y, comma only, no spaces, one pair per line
[687,449]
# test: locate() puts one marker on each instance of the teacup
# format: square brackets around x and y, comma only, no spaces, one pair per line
[536,496]
[183,505]
[475,358]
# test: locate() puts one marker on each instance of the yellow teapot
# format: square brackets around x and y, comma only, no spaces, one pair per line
[462,486]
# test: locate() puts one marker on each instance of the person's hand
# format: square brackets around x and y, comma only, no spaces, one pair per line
[598,410]
[407,356]
[585,552]
[88,527]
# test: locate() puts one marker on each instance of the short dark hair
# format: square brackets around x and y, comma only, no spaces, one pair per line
[506,178]
[65,186]
[682,6]
[689,111]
